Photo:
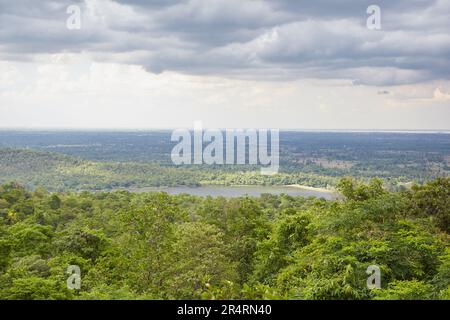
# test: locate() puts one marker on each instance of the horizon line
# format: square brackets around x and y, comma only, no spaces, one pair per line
[125,129]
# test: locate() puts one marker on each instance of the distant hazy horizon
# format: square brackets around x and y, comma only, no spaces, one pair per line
[81,129]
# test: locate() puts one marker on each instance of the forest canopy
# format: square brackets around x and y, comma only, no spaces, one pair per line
[160,246]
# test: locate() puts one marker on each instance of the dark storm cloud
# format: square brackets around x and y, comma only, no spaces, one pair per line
[253,39]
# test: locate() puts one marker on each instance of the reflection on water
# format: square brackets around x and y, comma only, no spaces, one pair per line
[238,191]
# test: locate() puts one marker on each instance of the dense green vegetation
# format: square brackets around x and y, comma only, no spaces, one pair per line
[156,246]
[107,160]
[58,172]
[61,172]
[60,211]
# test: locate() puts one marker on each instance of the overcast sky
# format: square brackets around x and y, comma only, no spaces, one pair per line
[229,63]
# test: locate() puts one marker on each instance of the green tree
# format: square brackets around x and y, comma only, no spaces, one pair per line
[200,260]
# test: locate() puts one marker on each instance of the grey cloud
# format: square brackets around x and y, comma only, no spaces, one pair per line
[249,39]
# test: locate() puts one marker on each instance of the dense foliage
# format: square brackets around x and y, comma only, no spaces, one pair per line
[157,246]
[58,172]
[70,160]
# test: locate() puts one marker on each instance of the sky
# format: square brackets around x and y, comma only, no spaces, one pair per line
[131,64]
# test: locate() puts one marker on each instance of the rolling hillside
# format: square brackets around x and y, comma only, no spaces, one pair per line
[61,172]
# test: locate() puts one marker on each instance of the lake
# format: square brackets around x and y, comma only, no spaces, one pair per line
[238,191]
